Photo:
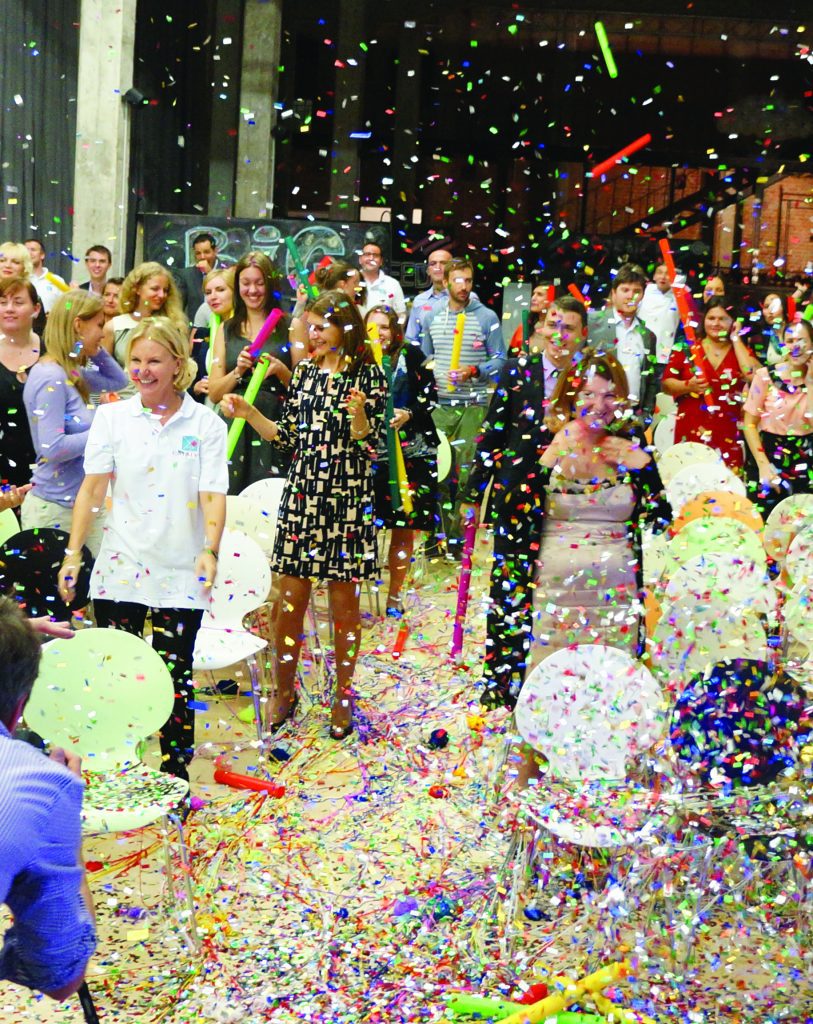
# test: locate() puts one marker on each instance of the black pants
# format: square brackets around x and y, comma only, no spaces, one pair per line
[792,457]
[174,633]
[509,620]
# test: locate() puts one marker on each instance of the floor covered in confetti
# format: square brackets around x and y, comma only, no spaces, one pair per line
[377,884]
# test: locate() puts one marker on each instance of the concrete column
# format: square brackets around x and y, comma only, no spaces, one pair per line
[344,163]
[262,32]
[102,163]
[225,107]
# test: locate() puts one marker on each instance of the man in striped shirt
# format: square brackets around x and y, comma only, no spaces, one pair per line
[42,876]
[464,383]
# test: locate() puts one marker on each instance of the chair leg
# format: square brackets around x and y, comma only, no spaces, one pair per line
[256,694]
[86,1002]
[192,930]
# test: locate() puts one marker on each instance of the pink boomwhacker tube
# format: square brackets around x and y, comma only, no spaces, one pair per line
[463,591]
[265,332]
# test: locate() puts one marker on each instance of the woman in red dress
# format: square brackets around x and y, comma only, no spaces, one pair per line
[707,379]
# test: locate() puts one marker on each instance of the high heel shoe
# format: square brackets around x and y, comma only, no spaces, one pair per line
[341,732]
[274,727]
[338,733]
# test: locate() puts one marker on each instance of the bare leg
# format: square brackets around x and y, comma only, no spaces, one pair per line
[344,600]
[294,594]
[402,543]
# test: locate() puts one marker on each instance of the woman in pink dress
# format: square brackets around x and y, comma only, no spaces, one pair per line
[707,379]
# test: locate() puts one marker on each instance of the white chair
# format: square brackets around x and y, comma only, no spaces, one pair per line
[784,521]
[592,711]
[683,454]
[720,578]
[101,695]
[248,516]
[687,639]
[664,434]
[241,585]
[9,524]
[702,536]
[799,559]
[444,457]
[698,478]
[268,492]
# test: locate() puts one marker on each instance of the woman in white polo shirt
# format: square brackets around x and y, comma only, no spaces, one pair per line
[165,456]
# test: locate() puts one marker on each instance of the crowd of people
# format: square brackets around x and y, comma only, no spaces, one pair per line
[116,396]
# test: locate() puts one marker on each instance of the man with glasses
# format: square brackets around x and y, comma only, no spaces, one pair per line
[381,289]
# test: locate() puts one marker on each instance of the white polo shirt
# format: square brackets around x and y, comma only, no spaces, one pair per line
[155,529]
[384,291]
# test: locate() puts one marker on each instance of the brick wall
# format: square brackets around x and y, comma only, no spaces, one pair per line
[780,228]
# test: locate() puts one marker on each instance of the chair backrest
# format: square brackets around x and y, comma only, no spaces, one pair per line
[702,536]
[799,560]
[444,457]
[723,578]
[694,479]
[683,454]
[29,566]
[242,582]
[590,710]
[99,695]
[268,492]
[717,505]
[247,515]
[689,637]
[9,524]
[664,434]
[798,613]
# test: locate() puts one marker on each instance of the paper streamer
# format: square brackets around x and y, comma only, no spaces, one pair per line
[457,344]
[236,428]
[301,274]
[633,147]
[463,591]
[526,325]
[464,1004]
[264,332]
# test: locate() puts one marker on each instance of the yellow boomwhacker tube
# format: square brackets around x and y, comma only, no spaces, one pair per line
[550,1005]
[619,1013]
[457,344]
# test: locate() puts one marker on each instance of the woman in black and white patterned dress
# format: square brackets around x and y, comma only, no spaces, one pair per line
[325,527]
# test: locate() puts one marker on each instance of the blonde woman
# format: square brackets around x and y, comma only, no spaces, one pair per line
[148,290]
[218,293]
[15,261]
[164,455]
[56,397]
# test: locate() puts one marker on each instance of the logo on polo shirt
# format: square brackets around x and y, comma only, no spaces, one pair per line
[190,444]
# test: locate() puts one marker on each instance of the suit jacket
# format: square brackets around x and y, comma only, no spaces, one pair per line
[602,335]
[190,284]
[513,436]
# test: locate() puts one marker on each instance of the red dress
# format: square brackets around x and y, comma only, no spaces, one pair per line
[712,418]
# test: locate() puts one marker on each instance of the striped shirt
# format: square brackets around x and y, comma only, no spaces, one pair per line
[482,346]
[53,936]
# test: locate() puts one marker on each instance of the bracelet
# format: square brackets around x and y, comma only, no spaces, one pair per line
[212,552]
[360,435]
[475,371]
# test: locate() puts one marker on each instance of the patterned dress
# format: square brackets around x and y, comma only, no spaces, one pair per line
[325,527]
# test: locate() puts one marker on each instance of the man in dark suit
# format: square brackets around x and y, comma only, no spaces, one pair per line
[514,433]
[98,260]
[190,279]
[618,329]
